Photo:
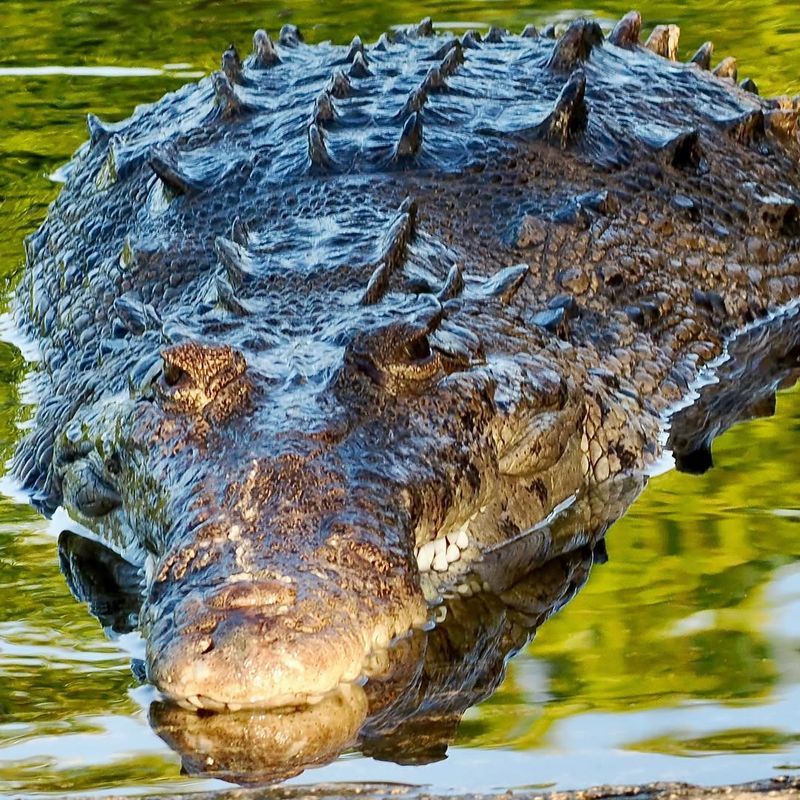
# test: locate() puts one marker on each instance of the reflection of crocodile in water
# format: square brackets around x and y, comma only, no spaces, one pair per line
[319,331]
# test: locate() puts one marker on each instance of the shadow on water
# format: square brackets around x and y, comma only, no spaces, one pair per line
[410,707]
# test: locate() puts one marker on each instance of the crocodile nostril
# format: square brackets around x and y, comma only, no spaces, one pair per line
[88,492]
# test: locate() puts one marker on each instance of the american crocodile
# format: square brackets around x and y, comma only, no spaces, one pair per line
[324,331]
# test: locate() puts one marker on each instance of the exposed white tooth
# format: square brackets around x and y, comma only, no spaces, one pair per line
[462,540]
[234,707]
[440,614]
[440,546]
[195,701]
[440,562]
[425,557]
[453,554]
[464,590]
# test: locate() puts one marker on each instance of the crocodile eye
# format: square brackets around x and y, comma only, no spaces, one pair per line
[418,349]
[172,374]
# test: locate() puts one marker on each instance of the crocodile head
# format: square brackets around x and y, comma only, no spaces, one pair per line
[291,508]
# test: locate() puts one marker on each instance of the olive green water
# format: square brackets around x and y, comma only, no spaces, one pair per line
[681,657]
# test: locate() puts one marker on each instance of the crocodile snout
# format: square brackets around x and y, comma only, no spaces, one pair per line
[256,644]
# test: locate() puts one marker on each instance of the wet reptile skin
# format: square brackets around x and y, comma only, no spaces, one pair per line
[304,317]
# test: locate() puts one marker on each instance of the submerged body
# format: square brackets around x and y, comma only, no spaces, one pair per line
[325,330]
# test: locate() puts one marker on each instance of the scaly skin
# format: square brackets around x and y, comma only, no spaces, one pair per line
[295,326]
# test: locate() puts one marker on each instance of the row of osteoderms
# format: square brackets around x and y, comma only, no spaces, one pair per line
[570,51]
[568,115]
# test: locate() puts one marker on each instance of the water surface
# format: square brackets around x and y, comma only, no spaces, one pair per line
[679,659]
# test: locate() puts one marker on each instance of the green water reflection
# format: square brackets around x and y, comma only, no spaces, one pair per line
[699,602]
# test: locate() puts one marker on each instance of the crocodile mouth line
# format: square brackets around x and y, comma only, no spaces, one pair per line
[375,662]
[287,702]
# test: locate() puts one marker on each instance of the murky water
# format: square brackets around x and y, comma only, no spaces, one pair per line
[679,658]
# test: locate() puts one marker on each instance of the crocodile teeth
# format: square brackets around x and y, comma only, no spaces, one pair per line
[440,563]
[424,556]
[462,540]
[438,554]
